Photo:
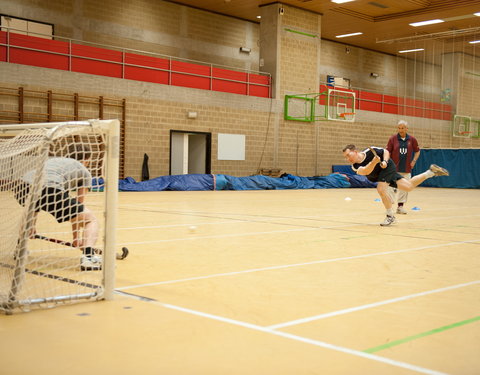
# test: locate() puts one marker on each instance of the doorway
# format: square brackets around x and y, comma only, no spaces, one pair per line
[190,152]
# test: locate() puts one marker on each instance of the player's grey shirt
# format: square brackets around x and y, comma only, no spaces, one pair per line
[64,174]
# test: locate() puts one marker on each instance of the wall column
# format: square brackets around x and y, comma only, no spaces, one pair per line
[290,48]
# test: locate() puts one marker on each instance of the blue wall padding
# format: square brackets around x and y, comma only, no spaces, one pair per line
[287,181]
[347,169]
[185,182]
[463,165]
[358,181]
[191,182]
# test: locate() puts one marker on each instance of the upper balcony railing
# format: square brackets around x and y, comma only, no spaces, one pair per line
[99,59]
[93,58]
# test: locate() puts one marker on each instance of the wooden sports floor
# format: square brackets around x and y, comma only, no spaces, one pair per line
[273,282]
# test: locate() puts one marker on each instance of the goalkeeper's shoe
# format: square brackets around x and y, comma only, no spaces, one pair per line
[439,171]
[389,220]
[91,263]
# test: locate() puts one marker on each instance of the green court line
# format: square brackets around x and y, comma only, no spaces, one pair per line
[473,74]
[420,335]
[301,33]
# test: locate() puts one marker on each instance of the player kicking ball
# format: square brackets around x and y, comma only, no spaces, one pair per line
[375,163]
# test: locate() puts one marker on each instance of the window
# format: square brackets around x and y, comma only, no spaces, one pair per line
[26,27]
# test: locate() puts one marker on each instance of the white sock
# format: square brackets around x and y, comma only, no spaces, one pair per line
[428,173]
[390,212]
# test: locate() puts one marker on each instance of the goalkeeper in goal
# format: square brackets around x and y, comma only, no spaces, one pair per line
[63,176]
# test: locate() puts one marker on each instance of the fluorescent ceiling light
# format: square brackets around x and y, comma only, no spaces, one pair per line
[477,14]
[346,35]
[341,1]
[411,50]
[424,23]
[474,41]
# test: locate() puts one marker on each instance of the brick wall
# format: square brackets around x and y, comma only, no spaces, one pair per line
[153,110]
[271,142]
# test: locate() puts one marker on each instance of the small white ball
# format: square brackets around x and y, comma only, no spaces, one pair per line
[348,199]
[192,228]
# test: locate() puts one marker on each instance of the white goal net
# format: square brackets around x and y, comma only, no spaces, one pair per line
[58,194]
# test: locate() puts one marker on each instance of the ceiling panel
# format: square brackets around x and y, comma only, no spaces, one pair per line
[378,20]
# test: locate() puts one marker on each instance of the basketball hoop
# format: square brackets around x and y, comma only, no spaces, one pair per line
[347,116]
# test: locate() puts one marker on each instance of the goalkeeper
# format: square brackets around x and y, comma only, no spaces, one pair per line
[62,176]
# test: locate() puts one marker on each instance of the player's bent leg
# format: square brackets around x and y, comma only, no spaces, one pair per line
[407,185]
[382,189]
[433,171]
[89,223]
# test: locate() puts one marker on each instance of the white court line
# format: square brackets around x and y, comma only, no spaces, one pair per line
[310,217]
[233,221]
[289,336]
[297,264]
[191,238]
[370,305]
[348,225]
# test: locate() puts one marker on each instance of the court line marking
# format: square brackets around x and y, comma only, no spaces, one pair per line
[184,225]
[236,221]
[347,225]
[220,236]
[226,215]
[370,305]
[422,334]
[290,336]
[223,213]
[296,265]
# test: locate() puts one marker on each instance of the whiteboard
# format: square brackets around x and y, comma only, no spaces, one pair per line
[231,146]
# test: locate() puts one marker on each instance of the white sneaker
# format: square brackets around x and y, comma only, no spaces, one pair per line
[401,210]
[91,263]
[389,220]
[439,171]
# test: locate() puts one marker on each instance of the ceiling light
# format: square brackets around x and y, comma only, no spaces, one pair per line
[477,14]
[424,23]
[411,50]
[341,1]
[346,35]
[259,17]
[474,41]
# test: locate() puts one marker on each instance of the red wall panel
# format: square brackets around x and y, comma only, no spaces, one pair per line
[369,101]
[83,61]
[142,72]
[46,56]
[101,61]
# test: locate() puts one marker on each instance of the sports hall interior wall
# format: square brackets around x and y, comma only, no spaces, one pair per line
[153,110]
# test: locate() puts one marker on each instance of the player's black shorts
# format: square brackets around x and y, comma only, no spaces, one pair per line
[390,174]
[54,201]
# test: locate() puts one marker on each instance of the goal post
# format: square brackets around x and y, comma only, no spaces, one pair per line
[58,191]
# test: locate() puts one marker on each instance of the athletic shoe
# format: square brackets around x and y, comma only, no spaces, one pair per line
[389,220]
[439,171]
[401,210]
[91,263]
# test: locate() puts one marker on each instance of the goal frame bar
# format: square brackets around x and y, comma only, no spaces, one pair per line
[111,130]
